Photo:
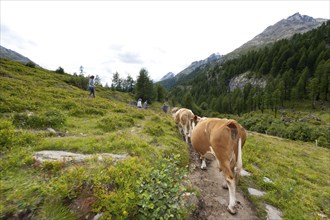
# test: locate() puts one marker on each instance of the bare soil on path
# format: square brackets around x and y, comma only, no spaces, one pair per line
[213,200]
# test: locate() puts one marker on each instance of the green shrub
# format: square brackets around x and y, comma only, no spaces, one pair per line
[322,141]
[54,119]
[68,105]
[292,125]
[51,118]
[154,129]
[11,138]
[277,128]
[94,111]
[56,211]
[116,189]
[77,112]
[7,134]
[114,122]
[30,64]
[159,194]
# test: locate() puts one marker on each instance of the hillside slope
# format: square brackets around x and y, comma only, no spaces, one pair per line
[40,110]
[153,180]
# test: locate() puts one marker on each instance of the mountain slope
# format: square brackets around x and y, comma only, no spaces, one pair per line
[167,76]
[289,74]
[168,81]
[12,55]
[285,28]
[40,110]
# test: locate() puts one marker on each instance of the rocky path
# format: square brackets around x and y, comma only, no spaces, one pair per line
[214,199]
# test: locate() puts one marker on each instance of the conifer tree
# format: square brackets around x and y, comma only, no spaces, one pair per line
[116,82]
[128,84]
[144,87]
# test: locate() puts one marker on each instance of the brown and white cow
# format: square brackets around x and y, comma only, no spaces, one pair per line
[224,139]
[186,120]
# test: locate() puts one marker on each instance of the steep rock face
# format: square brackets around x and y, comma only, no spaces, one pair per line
[243,79]
[12,55]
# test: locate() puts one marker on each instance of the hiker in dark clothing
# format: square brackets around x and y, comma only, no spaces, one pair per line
[91,86]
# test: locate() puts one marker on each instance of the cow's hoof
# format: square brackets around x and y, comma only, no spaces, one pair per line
[224,185]
[203,168]
[232,210]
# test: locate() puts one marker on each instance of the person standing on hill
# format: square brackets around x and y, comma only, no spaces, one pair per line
[165,106]
[145,104]
[91,86]
[139,103]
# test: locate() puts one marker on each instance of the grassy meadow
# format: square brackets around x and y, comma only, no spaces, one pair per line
[149,183]
[299,176]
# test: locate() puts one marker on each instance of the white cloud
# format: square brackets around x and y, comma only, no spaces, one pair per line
[125,36]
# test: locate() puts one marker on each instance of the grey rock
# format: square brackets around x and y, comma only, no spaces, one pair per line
[267,180]
[48,155]
[255,192]
[273,213]
[243,79]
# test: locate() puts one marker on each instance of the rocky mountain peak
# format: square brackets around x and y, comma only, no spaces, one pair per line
[300,18]
[283,29]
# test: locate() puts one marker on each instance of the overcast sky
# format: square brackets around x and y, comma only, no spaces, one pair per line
[124,36]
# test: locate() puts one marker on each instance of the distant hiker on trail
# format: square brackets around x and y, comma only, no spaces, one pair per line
[139,103]
[145,104]
[165,107]
[91,86]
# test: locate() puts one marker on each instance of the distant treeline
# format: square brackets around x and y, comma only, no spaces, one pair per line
[295,69]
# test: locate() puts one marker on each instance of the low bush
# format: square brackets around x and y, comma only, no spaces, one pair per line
[114,122]
[293,126]
[11,138]
[154,129]
[159,194]
[7,134]
[51,118]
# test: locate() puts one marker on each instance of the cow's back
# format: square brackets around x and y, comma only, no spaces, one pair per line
[200,137]
[214,130]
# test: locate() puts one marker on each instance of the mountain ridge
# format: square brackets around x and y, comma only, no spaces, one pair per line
[282,29]
[12,55]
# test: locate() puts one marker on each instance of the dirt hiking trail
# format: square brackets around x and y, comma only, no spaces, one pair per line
[213,200]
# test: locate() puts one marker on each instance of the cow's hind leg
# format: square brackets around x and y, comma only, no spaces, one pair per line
[231,183]
[186,134]
[232,197]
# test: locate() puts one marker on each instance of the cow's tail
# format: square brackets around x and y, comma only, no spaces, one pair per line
[239,163]
[236,136]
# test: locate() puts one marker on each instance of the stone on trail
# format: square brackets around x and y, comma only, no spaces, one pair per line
[64,156]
